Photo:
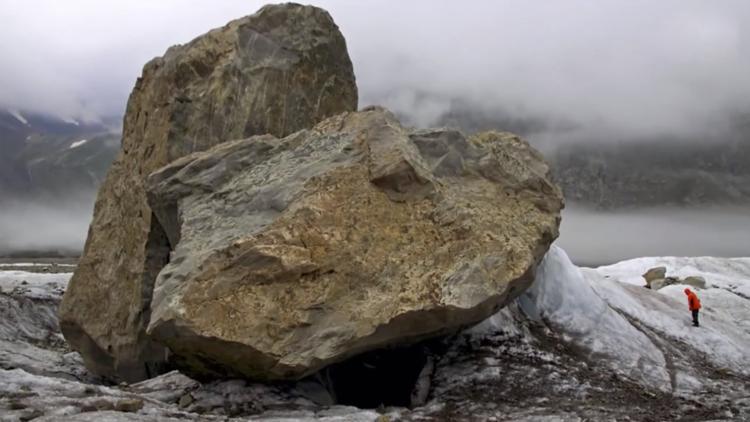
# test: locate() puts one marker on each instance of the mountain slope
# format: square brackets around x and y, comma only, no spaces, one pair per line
[48,158]
[612,170]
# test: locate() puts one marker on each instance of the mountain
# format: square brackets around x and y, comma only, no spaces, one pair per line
[654,172]
[49,158]
[44,157]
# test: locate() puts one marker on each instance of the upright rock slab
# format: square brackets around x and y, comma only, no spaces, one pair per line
[280,70]
[291,254]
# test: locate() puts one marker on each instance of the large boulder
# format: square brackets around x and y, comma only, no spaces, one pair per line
[695,281]
[653,274]
[291,254]
[280,70]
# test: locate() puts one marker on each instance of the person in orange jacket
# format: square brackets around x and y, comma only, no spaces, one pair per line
[694,304]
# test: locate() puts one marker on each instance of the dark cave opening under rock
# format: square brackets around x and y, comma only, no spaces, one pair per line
[386,377]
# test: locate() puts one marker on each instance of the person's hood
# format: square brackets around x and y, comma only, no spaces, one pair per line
[687,291]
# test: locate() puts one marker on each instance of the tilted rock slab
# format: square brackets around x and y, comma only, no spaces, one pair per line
[291,254]
[278,71]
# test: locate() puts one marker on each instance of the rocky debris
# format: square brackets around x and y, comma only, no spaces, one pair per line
[656,278]
[30,338]
[23,395]
[40,378]
[292,254]
[280,70]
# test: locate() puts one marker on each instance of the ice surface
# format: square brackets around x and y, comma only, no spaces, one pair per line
[565,299]
[724,336]
[641,333]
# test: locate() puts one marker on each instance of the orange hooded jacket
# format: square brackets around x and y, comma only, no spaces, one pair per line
[693,302]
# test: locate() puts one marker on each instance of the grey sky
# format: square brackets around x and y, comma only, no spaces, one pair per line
[630,67]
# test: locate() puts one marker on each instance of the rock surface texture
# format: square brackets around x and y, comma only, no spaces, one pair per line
[280,70]
[291,254]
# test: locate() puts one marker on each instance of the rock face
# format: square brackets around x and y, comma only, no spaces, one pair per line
[291,254]
[278,71]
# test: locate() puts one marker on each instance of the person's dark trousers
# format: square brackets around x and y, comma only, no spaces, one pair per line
[695,318]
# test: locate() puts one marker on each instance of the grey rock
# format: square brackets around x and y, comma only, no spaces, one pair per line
[280,70]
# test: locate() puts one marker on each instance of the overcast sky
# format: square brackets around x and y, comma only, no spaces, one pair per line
[634,67]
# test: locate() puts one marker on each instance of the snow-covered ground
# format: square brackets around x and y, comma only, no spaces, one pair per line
[594,344]
[608,310]
[580,344]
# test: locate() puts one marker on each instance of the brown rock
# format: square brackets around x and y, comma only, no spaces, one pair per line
[356,235]
[280,70]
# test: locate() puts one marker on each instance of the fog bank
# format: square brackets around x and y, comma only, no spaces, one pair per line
[51,229]
[594,238]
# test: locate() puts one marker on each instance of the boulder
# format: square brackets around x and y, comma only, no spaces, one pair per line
[290,254]
[280,70]
[655,274]
[695,281]
[658,283]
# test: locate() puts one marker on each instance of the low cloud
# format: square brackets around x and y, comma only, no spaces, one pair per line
[614,70]
[594,238]
[50,228]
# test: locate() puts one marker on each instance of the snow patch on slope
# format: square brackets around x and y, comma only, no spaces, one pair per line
[19,117]
[77,144]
